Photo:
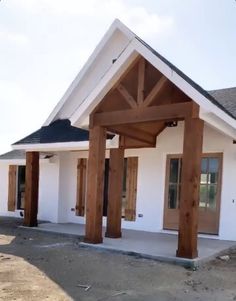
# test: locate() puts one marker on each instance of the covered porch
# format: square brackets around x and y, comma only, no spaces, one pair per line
[138,107]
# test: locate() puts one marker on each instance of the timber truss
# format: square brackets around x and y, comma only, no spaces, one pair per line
[140,106]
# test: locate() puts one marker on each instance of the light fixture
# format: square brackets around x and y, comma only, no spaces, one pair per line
[171,124]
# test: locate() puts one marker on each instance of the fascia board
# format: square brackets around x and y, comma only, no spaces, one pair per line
[67,146]
[114,26]
[106,83]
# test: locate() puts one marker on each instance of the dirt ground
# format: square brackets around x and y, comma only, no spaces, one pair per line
[40,266]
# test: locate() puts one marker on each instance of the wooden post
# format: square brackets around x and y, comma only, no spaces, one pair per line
[116,171]
[190,188]
[95,185]
[31,189]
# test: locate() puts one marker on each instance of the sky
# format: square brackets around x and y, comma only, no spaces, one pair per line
[44,44]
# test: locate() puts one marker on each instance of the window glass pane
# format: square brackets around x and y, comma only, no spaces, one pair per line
[172,196]
[204,165]
[213,165]
[180,169]
[212,178]
[174,167]
[212,189]
[203,178]
[213,170]
[203,196]
[21,188]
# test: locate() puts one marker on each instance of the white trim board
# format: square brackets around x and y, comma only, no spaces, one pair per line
[116,25]
[63,146]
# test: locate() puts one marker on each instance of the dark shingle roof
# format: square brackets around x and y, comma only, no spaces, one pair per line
[58,131]
[227,98]
[15,154]
[20,154]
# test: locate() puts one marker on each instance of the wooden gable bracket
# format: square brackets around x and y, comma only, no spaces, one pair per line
[175,111]
[155,91]
[129,98]
[141,101]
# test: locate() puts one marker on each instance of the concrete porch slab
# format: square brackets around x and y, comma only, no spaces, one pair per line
[157,246]
[63,228]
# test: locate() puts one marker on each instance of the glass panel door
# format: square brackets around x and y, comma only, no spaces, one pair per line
[210,186]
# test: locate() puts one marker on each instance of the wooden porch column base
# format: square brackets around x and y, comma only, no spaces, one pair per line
[95,185]
[93,240]
[115,235]
[31,189]
[116,171]
[190,188]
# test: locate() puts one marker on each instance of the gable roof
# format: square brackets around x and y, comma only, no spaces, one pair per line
[113,55]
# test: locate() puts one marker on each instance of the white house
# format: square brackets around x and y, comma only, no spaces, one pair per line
[171,146]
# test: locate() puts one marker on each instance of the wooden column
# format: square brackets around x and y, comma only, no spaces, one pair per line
[95,185]
[31,189]
[116,172]
[190,188]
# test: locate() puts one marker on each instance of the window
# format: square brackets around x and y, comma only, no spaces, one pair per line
[128,194]
[129,188]
[210,166]
[174,183]
[21,187]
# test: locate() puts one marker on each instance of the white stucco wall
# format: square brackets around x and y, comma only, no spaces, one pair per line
[48,189]
[101,64]
[151,181]
[58,183]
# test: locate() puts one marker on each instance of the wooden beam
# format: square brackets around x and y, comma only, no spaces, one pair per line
[189,202]
[141,80]
[155,91]
[115,189]
[160,130]
[129,143]
[129,98]
[135,133]
[31,189]
[95,185]
[176,111]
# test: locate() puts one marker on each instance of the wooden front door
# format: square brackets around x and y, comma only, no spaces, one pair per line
[210,191]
